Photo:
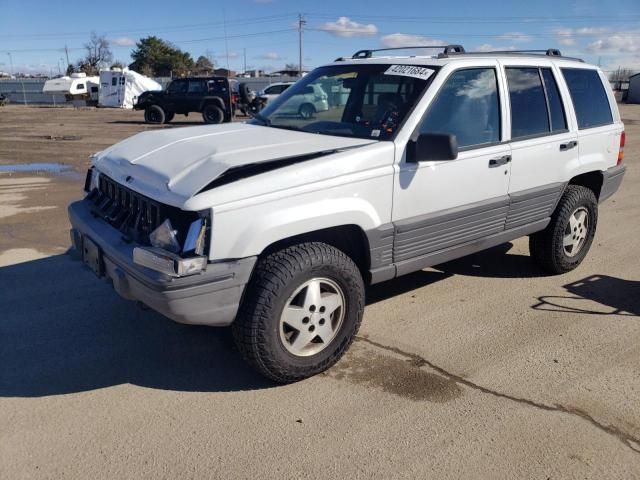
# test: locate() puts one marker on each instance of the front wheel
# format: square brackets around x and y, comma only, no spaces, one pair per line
[564,244]
[302,310]
[154,114]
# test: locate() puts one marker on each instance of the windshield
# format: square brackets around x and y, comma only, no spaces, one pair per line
[363,101]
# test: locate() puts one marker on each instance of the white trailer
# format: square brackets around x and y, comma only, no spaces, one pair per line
[120,88]
[75,87]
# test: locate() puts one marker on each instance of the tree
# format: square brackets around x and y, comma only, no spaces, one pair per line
[70,69]
[203,66]
[157,57]
[117,64]
[620,75]
[291,66]
[98,55]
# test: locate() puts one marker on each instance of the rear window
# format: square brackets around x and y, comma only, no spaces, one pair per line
[589,97]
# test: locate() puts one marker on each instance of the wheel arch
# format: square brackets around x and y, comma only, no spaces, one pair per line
[217,101]
[350,239]
[592,180]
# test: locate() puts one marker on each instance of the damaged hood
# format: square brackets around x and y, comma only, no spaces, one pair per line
[172,165]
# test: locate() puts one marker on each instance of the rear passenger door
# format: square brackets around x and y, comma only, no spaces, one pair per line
[195,93]
[543,141]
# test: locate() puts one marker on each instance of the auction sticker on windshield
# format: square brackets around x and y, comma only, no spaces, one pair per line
[414,71]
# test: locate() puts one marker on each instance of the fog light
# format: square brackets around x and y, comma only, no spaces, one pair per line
[167,262]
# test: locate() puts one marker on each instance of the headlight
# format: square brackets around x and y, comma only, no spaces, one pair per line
[91,181]
[165,237]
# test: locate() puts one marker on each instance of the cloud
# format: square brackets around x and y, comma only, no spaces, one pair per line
[398,40]
[568,36]
[122,42]
[270,56]
[345,27]
[487,47]
[515,37]
[623,42]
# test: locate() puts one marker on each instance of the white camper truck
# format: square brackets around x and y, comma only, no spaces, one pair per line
[120,88]
[75,87]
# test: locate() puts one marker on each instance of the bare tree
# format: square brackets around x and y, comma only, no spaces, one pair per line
[98,54]
[620,75]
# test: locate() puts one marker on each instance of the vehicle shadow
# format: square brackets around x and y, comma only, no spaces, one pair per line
[63,331]
[623,296]
[494,262]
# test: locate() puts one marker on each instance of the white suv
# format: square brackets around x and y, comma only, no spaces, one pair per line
[276,226]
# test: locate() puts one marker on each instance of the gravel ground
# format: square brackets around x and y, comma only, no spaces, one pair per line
[478,368]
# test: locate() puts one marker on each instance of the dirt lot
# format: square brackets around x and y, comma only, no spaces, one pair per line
[479,368]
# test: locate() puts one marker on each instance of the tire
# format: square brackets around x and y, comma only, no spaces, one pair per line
[212,114]
[559,248]
[168,117]
[267,342]
[306,110]
[154,114]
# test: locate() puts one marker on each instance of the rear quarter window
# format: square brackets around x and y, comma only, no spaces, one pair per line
[589,97]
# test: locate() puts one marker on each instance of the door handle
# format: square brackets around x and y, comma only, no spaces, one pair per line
[568,145]
[496,162]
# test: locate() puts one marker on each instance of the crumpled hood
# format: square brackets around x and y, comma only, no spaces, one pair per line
[172,165]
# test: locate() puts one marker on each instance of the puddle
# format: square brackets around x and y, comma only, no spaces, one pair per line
[35,167]
[397,376]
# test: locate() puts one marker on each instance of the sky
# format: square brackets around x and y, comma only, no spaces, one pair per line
[33,33]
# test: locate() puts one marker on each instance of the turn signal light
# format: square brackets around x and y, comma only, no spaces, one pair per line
[623,138]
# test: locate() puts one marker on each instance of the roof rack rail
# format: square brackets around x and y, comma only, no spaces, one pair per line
[549,52]
[446,49]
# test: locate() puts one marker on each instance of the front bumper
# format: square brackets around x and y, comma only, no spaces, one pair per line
[209,298]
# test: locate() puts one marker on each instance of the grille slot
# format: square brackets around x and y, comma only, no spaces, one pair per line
[135,215]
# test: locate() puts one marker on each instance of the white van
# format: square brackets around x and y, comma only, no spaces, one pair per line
[276,226]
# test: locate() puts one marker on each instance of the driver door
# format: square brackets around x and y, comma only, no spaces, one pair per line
[439,205]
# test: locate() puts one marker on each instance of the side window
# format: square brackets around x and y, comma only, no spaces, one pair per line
[528,103]
[178,86]
[556,111]
[114,81]
[466,106]
[589,97]
[196,86]
[80,86]
[271,90]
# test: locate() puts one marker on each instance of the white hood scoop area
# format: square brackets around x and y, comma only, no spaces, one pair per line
[174,164]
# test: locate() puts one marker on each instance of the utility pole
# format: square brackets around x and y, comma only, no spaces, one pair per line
[244,50]
[66,52]
[301,24]
[10,62]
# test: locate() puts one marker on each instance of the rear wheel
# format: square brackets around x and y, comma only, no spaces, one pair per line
[564,244]
[212,114]
[301,311]
[306,110]
[154,114]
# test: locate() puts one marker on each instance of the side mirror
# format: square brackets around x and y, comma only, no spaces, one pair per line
[432,146]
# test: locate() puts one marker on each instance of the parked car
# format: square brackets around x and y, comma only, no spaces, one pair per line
[276,226]
[306,102]
[273,90]
[210,96]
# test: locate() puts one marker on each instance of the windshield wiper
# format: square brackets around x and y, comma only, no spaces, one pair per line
[264,120]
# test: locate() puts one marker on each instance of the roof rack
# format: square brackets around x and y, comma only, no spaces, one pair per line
[446,49]
[549,52]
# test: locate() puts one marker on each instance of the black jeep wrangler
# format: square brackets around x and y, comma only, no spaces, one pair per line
[210,96]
